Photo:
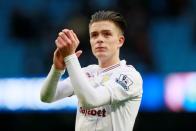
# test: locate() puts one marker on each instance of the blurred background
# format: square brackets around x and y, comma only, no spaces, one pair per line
[160,44]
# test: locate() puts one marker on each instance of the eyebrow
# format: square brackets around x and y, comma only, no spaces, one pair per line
[101,31]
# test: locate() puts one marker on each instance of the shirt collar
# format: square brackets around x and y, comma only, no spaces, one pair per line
[102,70]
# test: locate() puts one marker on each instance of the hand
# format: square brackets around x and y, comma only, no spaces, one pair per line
[67,42]
[58,59]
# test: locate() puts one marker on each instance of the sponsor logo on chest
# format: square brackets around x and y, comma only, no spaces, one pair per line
[93,112]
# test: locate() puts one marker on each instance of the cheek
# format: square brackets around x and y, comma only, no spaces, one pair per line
[92,46]
[91,42]
[114,44]
[115,47]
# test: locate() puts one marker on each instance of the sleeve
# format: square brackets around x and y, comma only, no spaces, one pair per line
[53,89]
[88,95]
[64,89]
[125,86]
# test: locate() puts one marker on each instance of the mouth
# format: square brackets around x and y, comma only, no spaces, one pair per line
[100,48]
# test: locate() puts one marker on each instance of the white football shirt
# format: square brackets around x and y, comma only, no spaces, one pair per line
[124,85]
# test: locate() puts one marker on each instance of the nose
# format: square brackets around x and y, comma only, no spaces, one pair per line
[99,39]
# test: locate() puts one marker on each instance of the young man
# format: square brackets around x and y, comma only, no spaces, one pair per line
[109,94]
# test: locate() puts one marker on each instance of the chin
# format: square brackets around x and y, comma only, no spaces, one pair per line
[100,54]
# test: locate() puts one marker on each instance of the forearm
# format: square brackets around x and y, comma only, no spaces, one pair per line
[86,93]
[49,87]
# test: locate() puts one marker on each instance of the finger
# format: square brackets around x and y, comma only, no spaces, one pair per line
[75,36]
[60,42]
[69,32]
[65,31]
[57,52]
[71,36]
[65,37]
[78,53]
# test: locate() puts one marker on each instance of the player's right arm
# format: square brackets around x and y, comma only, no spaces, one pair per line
[53,89]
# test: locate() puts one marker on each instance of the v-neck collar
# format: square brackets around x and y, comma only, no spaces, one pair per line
[102,70]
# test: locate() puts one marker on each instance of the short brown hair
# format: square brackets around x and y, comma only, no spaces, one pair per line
[115,17]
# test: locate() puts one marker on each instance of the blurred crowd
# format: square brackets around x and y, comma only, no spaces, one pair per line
[160,37]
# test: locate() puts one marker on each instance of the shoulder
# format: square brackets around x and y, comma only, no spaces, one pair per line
[128,69]
[130,72]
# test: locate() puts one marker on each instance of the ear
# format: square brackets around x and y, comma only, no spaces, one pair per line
[121,40]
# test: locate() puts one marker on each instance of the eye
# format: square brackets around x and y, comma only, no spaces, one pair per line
[94,35]
[107,34]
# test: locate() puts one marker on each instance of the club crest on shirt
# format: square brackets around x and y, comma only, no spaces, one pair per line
[105,78]
[124,81]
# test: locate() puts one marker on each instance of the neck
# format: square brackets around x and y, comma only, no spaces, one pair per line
[104,63]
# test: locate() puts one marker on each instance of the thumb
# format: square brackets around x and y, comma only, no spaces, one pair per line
[78,53]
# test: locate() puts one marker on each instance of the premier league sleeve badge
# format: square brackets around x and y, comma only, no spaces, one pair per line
[124,81]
